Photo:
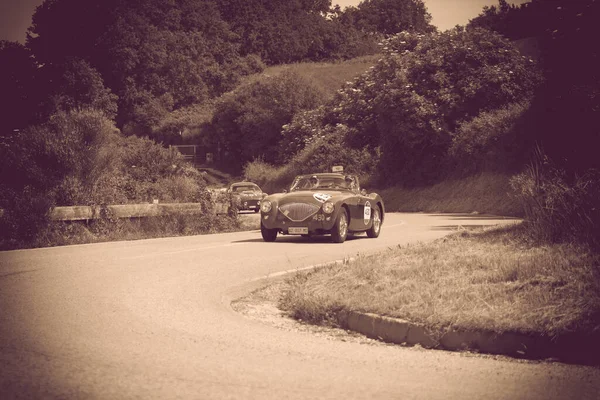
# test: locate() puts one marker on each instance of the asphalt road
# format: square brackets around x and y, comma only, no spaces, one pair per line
[152,319]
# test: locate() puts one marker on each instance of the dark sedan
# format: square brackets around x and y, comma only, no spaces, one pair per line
[246,195]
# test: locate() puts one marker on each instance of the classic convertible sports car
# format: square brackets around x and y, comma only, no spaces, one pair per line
[319,204]
[246,195]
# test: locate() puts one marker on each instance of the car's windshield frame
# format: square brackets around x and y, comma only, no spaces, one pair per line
[325,182]
[245,188]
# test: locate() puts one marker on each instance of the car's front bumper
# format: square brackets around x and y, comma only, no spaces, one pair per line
[248,204]
[318,223]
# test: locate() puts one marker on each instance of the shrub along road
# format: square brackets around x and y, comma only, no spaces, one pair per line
[152,319]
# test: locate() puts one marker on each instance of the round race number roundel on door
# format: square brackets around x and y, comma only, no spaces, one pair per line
[367,215]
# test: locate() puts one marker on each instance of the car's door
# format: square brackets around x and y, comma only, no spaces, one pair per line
[362,220]
[361,213]
[353,205]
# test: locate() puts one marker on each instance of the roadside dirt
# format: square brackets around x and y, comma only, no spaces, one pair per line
[262,305]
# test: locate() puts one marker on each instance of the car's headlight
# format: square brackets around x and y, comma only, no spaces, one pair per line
[265,206]
[328,207]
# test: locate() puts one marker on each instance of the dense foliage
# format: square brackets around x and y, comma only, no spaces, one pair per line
[18,97]
[159,56]
[388,16]
[498,140]
[156,56]
[292,30]
[567,109]
[559,188]
[80,158]
[559,207]
[412,103]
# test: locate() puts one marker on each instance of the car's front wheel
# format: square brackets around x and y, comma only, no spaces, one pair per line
[375,228]
[339,233]
[269,235]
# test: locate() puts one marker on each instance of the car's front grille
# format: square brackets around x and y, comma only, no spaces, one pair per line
[298,211]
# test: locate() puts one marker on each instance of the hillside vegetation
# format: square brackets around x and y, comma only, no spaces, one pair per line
[274,88]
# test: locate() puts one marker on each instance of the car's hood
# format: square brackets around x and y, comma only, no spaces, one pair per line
[316,197]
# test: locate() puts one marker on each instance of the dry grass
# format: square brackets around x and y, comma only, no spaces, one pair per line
[488,193]
[486,279]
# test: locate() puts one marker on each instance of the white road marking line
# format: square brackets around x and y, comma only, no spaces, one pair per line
[391,226]
[289,271]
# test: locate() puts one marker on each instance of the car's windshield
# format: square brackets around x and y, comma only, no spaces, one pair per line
[320,182]
[246,188]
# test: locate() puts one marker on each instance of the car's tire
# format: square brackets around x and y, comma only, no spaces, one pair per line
[339,233]
[269,235]
[375,228]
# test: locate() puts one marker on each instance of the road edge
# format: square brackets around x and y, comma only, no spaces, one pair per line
[570,348]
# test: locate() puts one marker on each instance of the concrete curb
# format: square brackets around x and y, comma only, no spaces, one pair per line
[574,348]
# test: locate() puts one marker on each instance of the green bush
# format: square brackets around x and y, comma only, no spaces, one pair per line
[25,214]
[149,171]
[80,158]
[47,163]
[304,128]
[320,155]
[492,141]
[248,121]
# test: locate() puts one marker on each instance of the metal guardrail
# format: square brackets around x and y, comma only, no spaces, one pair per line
[83,213]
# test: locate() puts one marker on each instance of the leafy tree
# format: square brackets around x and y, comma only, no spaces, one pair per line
[304,129]
[76,85]
[155,62]
[186,125]
[155,55]
[293,30]
[389,16]
[18,98]
[498,140]
[502,19]
[69,28]
[248,121]
[567,105]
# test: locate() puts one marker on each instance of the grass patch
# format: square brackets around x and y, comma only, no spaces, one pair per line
[489,279]
[488,193]
[327,76]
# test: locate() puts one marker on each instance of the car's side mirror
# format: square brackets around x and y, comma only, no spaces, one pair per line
[363,192]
